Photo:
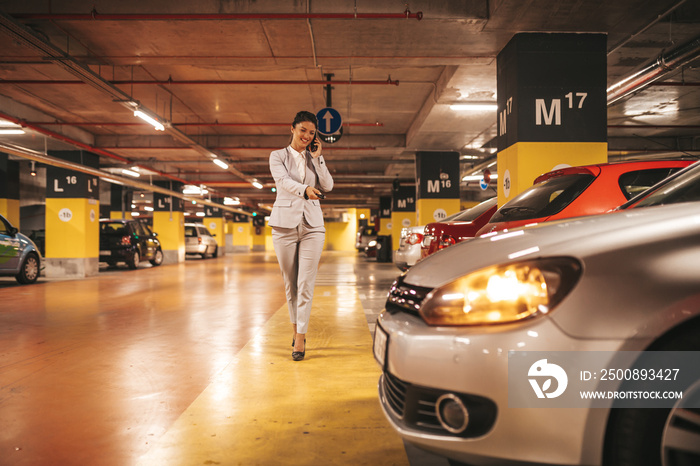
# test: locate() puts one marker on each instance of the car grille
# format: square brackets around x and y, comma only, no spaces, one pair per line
[405,298]
[415,406]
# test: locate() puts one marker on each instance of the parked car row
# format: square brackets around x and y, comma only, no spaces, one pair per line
[565,193]
[621,287]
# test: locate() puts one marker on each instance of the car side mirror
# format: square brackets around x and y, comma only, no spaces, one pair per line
[13,231]
[155,234]
[214,234]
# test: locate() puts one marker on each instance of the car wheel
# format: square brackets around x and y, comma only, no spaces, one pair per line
[135,261]
[158,258]
[658,436]
[216,252]
[29,272]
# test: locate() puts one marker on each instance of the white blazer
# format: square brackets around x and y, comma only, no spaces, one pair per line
[291,206]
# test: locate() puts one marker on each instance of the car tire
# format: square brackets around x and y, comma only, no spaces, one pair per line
[134,262]
[650,436]
[29,272]
[157,258]
[204,254]
[216,252]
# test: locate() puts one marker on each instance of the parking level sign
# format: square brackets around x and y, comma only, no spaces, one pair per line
[329,120]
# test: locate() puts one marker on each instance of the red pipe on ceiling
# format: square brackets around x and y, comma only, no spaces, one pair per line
[95,16]
[199,83]
[76,123]
[82,145]
[224,148]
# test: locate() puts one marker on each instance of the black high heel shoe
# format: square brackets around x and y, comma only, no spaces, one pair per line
[299,355]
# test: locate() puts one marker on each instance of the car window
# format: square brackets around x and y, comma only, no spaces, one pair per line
[203,231]
[138,229]
[472,214]
[368,232]
[147,229]
[190,231]
[4,227]
[115,228]
[544,199]
[683,188]
[633,183]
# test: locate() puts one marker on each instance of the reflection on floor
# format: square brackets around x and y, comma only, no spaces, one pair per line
[191,364]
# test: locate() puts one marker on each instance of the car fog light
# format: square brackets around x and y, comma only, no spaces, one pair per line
[452,413]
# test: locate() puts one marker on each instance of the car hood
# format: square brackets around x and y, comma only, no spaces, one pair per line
[580,237]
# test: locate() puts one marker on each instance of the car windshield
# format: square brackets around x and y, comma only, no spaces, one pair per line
[368,232]
[685,187]
[544,199]
[113,228]
[636,182]
[472,214]
[190,231]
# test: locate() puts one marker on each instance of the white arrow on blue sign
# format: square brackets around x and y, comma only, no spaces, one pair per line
[329,120]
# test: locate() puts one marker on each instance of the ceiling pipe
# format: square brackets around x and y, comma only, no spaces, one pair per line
[31,40]
[659,68]
[227,148]
[95,16]
[170,82]
[82,145]
[216,124]
[109,177]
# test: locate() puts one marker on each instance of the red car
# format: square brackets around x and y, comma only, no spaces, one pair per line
[576,191]
[464,225]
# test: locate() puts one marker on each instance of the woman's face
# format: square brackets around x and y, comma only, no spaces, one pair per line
[302,134]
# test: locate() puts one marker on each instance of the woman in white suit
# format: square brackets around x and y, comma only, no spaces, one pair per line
[298,232]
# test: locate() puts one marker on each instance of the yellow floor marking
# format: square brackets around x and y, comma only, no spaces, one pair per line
[265,409]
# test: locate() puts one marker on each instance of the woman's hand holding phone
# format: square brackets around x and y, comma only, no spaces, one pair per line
[315,147]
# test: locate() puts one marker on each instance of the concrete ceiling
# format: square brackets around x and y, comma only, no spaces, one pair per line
[230,75]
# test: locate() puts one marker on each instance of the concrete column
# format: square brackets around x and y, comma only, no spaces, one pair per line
[385,225]
[9,190]
[403,212]
[120,202]
[437,186]
[72,218]
[169,222]
[215,222]
[551,106]
[242,240]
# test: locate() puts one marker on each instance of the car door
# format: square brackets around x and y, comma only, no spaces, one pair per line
[145,247]
[151,241]
[9,247]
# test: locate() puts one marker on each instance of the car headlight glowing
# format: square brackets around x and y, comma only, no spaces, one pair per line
[502,294]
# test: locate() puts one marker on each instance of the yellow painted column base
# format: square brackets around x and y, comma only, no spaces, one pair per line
[9,208]
[400,220]
[521,163]
[72,238]
[216,225]
[170,227]
[435,210]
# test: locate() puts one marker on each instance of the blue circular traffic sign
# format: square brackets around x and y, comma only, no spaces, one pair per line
[329,120]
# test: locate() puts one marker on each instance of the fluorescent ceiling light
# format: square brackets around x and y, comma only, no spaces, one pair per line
[232,201]
[257,184]
[192,189]
[475,106]
[149,119]
[148,208]
[131,173]
[221,163]
[135,214]
[8,131]
[200,214]
[494,176]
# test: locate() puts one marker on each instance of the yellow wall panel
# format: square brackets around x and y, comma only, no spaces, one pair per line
[435,210]
[72,228]
[9,208]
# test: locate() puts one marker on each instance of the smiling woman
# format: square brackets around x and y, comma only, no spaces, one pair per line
[298,232]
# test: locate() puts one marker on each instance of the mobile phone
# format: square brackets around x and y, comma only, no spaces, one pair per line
[321,196]
[313,147]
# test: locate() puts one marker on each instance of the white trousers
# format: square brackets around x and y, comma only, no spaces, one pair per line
[298,253]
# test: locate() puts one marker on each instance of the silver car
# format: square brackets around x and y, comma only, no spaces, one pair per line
[19,256]
[198,240]
[456,325]
[409,247]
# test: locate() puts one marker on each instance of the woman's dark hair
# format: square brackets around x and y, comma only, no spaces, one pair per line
[305,116]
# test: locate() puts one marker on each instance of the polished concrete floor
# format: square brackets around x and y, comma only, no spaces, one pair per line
[191,364]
